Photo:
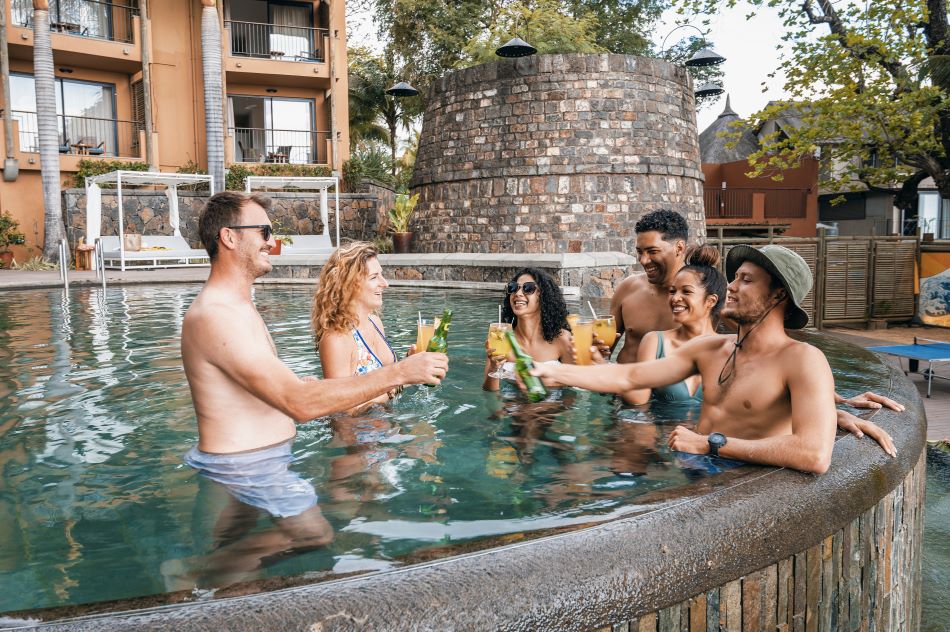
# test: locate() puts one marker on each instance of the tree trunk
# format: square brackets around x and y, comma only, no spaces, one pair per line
[48,125]
[214,117]
[146,44]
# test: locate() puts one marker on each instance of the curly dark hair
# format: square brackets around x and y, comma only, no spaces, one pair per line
[669,224]
[553,308]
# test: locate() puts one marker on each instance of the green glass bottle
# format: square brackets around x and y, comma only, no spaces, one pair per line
[439,341]
[535,388]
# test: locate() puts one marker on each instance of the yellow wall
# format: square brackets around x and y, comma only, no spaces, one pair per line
[177,97]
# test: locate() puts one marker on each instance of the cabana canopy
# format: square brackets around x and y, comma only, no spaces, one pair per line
[135,178]
[270,183]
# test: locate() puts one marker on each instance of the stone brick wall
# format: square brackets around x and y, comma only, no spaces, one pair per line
[556,153]
[146,212]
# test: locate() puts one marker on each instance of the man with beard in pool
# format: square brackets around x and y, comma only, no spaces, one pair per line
[767,398]
[641,304]
[248,402]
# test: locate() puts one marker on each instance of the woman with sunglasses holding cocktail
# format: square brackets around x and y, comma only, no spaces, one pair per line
[534,305]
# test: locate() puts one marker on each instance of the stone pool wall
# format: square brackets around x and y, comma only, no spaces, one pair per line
[752,549]
[865,576]
[555,153]
[587,275]
[362,214]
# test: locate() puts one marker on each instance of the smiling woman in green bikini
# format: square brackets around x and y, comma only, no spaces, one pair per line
[696,297]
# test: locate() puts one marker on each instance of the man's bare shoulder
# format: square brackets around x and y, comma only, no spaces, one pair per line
[214,312]
[800,357]
[631,285]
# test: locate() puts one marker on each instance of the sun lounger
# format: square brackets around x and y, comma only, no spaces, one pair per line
[158,251]
[308,245]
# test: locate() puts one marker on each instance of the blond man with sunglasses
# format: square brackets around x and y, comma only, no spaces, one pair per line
[247,401]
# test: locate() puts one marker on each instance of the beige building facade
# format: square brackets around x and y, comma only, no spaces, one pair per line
[283,63]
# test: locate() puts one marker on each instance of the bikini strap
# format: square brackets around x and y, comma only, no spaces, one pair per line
[383,336]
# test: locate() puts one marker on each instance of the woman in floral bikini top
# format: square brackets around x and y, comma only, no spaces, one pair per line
[350,338]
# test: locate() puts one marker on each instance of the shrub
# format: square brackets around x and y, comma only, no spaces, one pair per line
[9,232]
[98,167]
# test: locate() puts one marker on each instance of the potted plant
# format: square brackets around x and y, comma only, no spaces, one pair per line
[399,221]
[280,236]
[9,236]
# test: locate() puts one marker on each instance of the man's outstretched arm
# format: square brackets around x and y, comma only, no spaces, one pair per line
[256,369]
[620,378]
[808,448]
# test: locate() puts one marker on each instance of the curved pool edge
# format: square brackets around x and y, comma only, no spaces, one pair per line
[830,547]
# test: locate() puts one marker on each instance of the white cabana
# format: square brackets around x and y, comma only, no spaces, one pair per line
[323,185]
[177,252]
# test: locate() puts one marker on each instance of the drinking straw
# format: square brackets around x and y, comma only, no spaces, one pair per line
[592,310]
[499,313]
[420,318]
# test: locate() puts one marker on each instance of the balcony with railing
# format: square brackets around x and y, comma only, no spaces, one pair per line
[743,203]
[276,41]
[299,147]
[82,18]
[84,135]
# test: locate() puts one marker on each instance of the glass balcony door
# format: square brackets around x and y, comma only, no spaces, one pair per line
[291,33]
[86,112]
[269,129]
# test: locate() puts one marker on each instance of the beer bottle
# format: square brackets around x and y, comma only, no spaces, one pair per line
[439,340]
[536,390]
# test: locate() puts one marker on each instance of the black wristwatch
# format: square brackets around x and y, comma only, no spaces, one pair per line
[716,440]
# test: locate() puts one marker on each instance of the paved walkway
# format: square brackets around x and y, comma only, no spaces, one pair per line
[937,405]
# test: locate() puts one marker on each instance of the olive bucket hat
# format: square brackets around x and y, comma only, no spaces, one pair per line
[783,264]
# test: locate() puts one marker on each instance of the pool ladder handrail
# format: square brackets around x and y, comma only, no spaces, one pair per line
[64,263]
[98,262]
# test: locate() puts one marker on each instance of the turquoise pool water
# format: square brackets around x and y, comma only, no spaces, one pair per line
[96,504]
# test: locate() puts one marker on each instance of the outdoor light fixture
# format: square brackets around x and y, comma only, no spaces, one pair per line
[710,89]
[402,89]
[516,47]
[702,57]
[705,57]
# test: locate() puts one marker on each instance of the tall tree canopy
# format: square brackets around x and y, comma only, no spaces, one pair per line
[434,37]
[871,84]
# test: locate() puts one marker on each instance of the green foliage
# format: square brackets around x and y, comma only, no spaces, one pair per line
[542,24]
[368,160]
[88,168]
[280,232]
[401,211]
[871,86]
[369,80]
[237,172]
[35,264]
[234,181]
[10,234]
[383,244]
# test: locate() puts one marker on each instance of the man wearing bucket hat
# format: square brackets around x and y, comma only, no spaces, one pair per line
[767,398]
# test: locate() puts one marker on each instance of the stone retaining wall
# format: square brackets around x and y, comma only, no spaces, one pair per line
[556,153]
[146,212]
[592,275]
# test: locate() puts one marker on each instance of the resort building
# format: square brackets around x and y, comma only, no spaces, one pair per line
[283,73]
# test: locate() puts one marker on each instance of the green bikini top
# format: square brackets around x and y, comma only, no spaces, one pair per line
[678,392]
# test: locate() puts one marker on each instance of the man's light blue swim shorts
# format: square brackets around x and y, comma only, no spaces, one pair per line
[260,478]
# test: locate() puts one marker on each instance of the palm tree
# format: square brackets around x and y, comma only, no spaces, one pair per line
[48,127]
[211,66]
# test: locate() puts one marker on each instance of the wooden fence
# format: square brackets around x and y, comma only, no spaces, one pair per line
[857,279]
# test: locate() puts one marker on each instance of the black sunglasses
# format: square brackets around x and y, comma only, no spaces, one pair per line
[529,287]
[266,229]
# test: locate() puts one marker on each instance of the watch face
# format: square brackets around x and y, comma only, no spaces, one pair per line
[717,438]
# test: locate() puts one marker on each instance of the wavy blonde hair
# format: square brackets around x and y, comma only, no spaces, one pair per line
[340,280]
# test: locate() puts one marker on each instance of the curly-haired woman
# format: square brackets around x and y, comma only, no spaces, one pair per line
[534,305]
[347,329]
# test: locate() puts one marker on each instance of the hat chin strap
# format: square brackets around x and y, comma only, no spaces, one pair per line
[730,364]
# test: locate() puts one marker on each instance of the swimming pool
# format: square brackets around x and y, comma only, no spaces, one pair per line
[96,416]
